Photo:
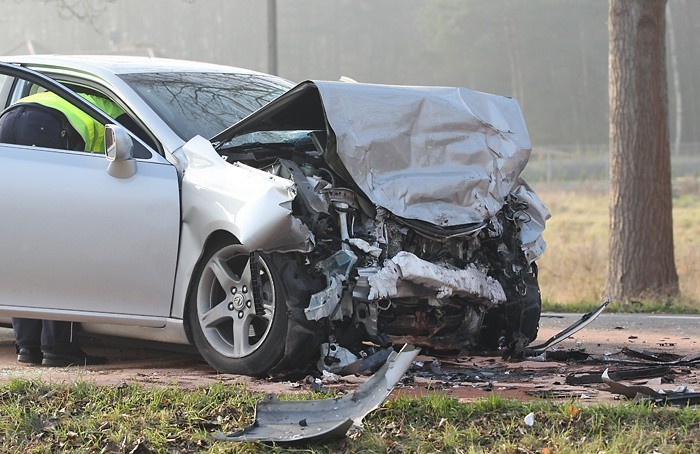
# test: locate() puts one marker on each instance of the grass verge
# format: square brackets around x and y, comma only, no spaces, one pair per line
[673,306]
[130,418]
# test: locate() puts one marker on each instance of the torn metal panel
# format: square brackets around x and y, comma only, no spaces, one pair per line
[406,267]
[650,359]
[291,421]
[315,201]
[531,230]
[324,303]
[336,268]
[584,321]
[445,156]
[628,391]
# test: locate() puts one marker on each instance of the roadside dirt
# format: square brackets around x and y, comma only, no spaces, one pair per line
[465,377]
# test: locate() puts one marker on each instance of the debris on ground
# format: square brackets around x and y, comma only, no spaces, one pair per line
[680,396]
[292,421]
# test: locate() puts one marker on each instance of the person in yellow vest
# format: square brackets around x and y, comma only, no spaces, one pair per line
[47,120]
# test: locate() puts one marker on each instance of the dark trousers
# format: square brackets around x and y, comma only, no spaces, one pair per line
[49,335]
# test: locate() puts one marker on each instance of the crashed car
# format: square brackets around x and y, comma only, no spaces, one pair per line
[276,227]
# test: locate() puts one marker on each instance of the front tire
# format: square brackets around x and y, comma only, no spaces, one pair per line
[517,320]
[237,311]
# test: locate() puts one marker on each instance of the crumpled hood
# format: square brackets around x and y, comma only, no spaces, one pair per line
[447,156]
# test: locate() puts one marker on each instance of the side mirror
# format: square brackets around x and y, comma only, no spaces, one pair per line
[120,152]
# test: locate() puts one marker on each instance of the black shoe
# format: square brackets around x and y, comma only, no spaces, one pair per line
[29,355]
[78,358]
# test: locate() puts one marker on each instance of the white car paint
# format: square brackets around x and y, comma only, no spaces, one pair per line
[251,204]
[68,226]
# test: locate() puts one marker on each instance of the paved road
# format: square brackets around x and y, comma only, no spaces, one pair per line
[677,333]
[642,325]
[649,323]
[134,362]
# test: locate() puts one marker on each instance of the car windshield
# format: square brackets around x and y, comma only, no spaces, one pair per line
[196,103]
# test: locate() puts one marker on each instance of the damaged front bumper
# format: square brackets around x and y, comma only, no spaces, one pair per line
[291,421]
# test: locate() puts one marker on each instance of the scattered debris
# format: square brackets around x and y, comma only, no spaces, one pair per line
[291,421]
[587,378]
[561,393]
[530,419]
[651,356]
[625,390]
[648,358]
[680,396]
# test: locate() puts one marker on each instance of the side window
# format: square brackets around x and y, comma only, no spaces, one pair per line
[44,120]
[3,80]
[5,87]
[41,118]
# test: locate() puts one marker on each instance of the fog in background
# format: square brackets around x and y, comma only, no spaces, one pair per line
[549,54]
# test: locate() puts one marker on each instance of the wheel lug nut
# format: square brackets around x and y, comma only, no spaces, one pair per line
[240,314]
[230,306]
[248,304]
[245,289]
[233,290]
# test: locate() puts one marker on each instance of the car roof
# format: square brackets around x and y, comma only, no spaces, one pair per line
[115,64]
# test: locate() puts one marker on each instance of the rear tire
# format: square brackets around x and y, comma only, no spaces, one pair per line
[237,310]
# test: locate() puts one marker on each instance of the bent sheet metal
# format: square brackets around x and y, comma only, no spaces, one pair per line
[291,421]
[584,321]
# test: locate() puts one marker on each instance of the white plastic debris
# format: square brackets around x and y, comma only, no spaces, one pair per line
[530,419]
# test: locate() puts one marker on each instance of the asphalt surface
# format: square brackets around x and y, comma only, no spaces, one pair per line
[464,377]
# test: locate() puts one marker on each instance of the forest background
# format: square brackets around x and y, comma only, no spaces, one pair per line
[552,55]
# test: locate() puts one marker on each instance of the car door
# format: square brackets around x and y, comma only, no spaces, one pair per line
[77,243]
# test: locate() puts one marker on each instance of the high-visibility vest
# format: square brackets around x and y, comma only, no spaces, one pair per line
[91,130]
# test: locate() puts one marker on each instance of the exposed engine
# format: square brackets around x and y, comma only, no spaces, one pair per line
[384,280]
[423,231]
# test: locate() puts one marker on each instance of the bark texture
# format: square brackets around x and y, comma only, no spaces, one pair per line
[641,262]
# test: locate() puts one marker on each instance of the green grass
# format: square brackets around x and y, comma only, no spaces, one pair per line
[671,306]
[85,418]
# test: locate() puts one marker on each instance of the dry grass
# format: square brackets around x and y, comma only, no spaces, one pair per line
[572,269]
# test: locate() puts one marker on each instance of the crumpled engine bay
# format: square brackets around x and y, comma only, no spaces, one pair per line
[423,231]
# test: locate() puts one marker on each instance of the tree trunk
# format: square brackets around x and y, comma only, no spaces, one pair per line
[676,81]
[641,262]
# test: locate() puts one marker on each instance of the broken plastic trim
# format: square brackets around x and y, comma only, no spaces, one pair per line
[576,327]
[291,421]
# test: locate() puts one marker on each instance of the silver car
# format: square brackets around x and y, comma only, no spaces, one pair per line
[276,227]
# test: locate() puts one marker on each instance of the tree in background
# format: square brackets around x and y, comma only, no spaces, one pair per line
[641,262]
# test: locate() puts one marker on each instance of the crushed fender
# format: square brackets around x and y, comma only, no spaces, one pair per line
[292,421]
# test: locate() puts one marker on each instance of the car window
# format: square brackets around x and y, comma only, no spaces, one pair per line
[205,103]
[74,123]
[5,87]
